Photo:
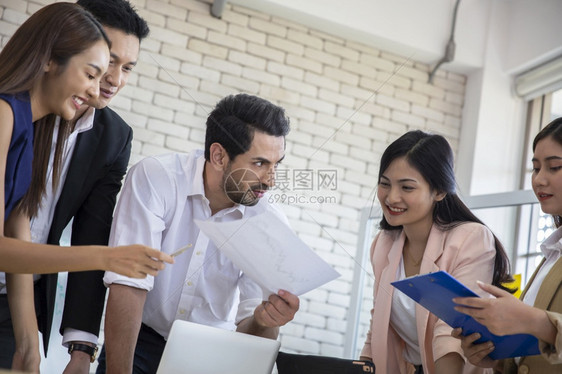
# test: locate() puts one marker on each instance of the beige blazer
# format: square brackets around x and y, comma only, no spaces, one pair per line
[549,298]
[466,252]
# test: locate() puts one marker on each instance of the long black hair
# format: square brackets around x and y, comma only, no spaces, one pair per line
[57,33]
[432,156]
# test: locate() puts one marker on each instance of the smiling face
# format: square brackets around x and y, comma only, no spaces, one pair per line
[66,88]
[405,196]
[547,175]
[123,58]
[251,174]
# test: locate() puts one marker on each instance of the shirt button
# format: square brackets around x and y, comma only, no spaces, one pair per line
[523,369]
[189,283]
[182,311]
[198,253]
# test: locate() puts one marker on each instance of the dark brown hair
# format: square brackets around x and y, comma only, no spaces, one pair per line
[117,14]
[236,118]
[55,33]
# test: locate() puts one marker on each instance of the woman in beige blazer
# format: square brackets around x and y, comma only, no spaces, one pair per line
[539,310]
[425,228]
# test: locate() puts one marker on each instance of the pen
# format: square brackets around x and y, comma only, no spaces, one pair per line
[181,250]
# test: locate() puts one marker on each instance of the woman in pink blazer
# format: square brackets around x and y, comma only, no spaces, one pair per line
[425,228]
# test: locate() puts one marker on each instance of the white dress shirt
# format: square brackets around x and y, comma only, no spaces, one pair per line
[161,198]
[403,320]
[41,223]
[551,249]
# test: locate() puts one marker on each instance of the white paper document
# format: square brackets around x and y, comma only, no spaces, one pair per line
[270,253]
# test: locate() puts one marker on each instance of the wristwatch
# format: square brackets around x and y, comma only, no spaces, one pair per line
[84,348]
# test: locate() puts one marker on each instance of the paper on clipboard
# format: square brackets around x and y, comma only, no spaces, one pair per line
[435,291]
[270,253]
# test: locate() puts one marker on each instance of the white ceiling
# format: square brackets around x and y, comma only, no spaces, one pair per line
[522,32]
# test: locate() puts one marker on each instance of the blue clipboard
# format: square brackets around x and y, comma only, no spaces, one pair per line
[435,291]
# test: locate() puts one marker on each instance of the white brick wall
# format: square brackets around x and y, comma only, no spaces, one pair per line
[346,101]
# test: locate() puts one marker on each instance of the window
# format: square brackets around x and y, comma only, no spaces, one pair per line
[541,111]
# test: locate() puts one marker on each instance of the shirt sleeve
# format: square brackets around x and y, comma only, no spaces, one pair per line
[140,214]
[73,335]
[250,297]
[553,352]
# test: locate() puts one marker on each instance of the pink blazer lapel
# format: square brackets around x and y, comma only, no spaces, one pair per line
[387,267]
[433,251]
[393,258]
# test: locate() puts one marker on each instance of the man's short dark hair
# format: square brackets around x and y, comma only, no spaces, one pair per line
[235,119]
[118,14]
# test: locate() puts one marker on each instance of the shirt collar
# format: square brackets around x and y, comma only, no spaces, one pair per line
[86,121]
[196,186]
[195,176]
[553,243]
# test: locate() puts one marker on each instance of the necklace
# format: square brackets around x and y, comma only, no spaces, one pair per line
[411,258]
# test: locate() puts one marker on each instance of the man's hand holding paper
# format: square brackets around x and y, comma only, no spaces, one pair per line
[278,310]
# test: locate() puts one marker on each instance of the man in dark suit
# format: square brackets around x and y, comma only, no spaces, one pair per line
[93,179]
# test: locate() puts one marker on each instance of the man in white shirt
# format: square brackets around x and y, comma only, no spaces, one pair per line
[161,198]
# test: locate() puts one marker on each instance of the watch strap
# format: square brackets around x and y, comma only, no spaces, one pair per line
[84,348]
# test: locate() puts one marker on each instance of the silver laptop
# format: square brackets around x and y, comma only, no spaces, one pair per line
[198,349]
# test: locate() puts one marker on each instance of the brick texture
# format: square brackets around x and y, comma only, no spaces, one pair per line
[346,102]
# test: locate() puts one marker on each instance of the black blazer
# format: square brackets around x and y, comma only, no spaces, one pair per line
[98,164]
